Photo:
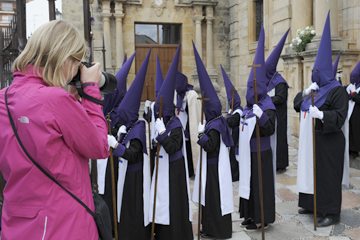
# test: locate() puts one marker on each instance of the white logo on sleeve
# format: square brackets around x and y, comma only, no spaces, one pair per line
[24,119]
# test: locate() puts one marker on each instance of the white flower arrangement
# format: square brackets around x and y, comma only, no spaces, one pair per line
[304,36]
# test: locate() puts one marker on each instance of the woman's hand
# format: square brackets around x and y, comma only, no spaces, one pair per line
[91,74]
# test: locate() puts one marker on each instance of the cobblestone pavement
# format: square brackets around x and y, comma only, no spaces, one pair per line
[289,225]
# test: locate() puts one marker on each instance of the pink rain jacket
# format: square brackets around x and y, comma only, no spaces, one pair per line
[61,134]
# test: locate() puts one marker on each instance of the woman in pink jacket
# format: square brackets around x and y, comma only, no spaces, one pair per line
[60,132]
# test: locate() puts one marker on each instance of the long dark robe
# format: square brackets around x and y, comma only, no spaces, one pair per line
[131,226]
[354,125]
[280,102]
[188,147]
[233,122]
[251,208]
[330,147]
[213,223]
[180,227]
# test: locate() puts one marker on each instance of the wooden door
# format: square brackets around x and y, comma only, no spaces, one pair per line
[166,54]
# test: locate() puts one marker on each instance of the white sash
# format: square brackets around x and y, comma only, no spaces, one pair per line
[305,178]
[162,215]
[101,172]
[246,130]
[225,180]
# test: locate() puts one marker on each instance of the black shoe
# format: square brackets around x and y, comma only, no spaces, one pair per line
[246,222]
[253,227]
[205,236]
[304,211]
[328,221]
[281,170]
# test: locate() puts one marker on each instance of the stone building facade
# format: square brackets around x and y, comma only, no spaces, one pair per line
[225,32]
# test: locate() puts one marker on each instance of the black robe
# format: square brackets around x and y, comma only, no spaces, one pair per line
[188,148]
[251,208]
[330,147]
[233,122]
[354,125]
[280,102]
[213,223]
[180,227]
[131,226]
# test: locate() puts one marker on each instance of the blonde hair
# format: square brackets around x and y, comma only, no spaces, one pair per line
[48,49]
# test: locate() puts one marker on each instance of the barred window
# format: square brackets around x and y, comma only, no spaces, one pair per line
[259,16]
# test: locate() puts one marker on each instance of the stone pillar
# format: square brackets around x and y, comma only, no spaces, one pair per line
[209,39]
[293,73]
[119,15]
[301,15]
[107,37]
[198,17]
[321,9]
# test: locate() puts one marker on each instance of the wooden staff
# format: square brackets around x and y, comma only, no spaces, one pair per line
[314,162]
[149,130]
[156,175]
[200,169]
[258,147]
[232,100]
[113,192]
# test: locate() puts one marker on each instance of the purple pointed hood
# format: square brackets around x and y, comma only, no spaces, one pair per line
[335,65]
[322,72]
[159,77]
[122,74]
[273,58]
[167,89]
[212,106]
[264,101]
[231,91]
[112,100]
[127,112]
[355,75]
[181,87]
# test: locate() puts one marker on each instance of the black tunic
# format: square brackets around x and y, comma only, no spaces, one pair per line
[330,147]
[233,122]
[188,148]
[180,227]
[131,226]
[354,125]
[280,102]
[147,117]
[251,208]
[213,223]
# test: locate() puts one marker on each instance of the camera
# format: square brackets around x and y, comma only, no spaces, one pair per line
[107,83]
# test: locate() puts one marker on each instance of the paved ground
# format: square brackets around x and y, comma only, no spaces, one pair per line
[289,225]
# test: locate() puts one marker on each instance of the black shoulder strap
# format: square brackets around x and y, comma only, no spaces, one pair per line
[37,165]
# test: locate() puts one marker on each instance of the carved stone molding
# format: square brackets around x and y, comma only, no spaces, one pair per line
[159,6]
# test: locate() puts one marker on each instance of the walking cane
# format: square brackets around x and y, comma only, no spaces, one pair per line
[113,184]
[149,130]
[200,169]
[257,129]
[314,162]
[156,175]
[232,100]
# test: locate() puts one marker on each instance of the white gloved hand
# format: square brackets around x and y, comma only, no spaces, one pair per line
[121,130]
[316,113]
[230,111]
[201,128]
[313,87]
[112,141]
[257,111]
[160,126]
[351,88]
[147,106]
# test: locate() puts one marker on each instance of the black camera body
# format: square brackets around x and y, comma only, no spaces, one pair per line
[107,84]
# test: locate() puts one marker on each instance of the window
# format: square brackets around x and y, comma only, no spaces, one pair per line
[258,16]
[157,33]
[7,7]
